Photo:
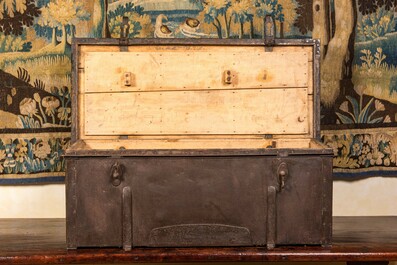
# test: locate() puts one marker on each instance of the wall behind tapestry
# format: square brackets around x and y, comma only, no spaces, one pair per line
[359,76]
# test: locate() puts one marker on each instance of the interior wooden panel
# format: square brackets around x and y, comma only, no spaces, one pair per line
[177,137]
[195,144]
[310,80]
[253,111]
[141,48]
[192,68]
[310,111]
[184,117]
[317,145]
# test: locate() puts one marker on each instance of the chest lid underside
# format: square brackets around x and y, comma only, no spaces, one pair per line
[160,94]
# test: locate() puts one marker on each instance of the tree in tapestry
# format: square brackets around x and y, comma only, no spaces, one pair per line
[35,81]
[201,18]
[358,82]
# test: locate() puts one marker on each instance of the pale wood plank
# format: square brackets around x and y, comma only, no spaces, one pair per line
[194,69]
[310,111]
[84,49]
[81,115]
[257,111]
[192,143]
[176,137]
[310,79]
[144,48]
[177,144]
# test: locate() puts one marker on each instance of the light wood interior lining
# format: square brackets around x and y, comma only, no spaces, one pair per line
[85,49]
[197,112]
[139,48]
[194,70]
[134,144]
[98,124]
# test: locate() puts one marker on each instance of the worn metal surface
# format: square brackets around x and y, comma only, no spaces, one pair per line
[199,201]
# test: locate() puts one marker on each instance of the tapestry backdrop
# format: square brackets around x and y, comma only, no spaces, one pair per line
[359,74]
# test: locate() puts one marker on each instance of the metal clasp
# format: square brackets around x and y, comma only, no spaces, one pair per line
[269,32]
[116,174]
[124,32]
[282,173]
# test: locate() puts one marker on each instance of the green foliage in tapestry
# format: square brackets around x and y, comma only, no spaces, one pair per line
[15,14]
[354,111]
[220,14]
[242,13]
[32,156]
[38,112]
[72,13]
[353,151]
[375,25]
[374,76]
[370,6]
[269,7]
[12,43]
[304,21]
[140,23]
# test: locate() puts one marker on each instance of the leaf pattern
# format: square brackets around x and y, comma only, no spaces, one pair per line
[38,154]
[20,6]
[361,151]
[15,14]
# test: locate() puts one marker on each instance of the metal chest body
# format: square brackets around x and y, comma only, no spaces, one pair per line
[193,143]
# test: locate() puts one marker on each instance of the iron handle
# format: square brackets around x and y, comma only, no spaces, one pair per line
[116,174]
[282,175]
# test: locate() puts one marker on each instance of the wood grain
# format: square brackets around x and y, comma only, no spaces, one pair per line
[262,111]
[161,144]
[194,69]
[42,241]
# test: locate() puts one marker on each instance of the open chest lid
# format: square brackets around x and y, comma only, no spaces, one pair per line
[155,92]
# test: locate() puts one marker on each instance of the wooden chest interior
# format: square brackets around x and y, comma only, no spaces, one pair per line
[194,96]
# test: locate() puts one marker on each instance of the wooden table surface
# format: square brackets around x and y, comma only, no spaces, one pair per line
[355,240]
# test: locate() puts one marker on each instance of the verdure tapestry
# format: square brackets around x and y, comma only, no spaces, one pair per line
[359,75]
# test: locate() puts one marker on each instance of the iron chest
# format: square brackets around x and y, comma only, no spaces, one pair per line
[181,143]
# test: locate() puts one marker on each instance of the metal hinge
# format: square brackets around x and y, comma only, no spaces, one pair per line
[269,33]
[124,32]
